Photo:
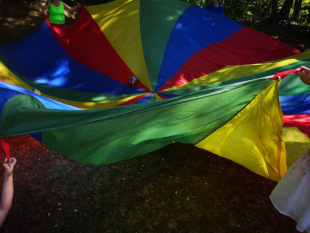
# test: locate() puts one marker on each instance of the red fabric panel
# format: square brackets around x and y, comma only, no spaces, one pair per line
[161,96]
[246,46]
[85,43]
[6,148]
[284,73]
[301,121]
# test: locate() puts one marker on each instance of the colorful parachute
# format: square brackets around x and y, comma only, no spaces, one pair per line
[202,79]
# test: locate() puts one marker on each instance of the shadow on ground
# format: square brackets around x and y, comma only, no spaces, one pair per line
[178,188]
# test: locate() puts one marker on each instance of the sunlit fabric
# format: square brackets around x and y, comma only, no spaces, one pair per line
[203,79]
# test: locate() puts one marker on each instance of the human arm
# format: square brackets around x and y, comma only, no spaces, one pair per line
[7,189]
[304,75]
[45,7]
[71,9]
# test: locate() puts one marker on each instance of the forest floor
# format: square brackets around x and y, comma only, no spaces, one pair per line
[178,188]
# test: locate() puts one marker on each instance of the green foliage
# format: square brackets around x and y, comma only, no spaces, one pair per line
[201,3]
[246,9]
[305,14]
[250,10]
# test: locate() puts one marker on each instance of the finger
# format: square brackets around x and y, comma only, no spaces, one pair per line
[12,159]
[300,73]
[12,162]
[305,69]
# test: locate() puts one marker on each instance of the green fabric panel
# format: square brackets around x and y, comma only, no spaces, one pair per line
[220,87]
[24,114]
[290,85]
[114,134]
[126,136]
[153,98]
[161,16]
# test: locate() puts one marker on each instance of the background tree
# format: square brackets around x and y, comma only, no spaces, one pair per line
[286,8]
[297,8]
[275,7]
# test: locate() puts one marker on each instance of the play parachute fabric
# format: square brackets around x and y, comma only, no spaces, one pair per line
[203,79]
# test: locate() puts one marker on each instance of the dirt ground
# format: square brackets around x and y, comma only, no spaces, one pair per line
[178,188]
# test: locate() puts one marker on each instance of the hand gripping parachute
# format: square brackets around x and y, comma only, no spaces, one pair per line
[129,77]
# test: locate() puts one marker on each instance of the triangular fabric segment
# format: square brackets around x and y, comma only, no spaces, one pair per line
[253,138]
[123,17]
[161,16]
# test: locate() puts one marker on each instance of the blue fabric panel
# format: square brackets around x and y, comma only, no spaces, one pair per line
[42,59]
[297,104]
[196,29]
[168,95]
[7,91]
[36,136]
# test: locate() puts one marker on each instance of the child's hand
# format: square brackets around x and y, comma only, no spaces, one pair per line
[9,167]
[304,75]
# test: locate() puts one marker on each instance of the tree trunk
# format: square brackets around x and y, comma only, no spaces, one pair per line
[274,11]
[285,10]
[297,7]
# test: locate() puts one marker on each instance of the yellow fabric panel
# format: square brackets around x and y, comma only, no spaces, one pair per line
[233,72]
[296,144]
[9,77]
[119,20]
[157,97]
[253,138]
[93,105]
